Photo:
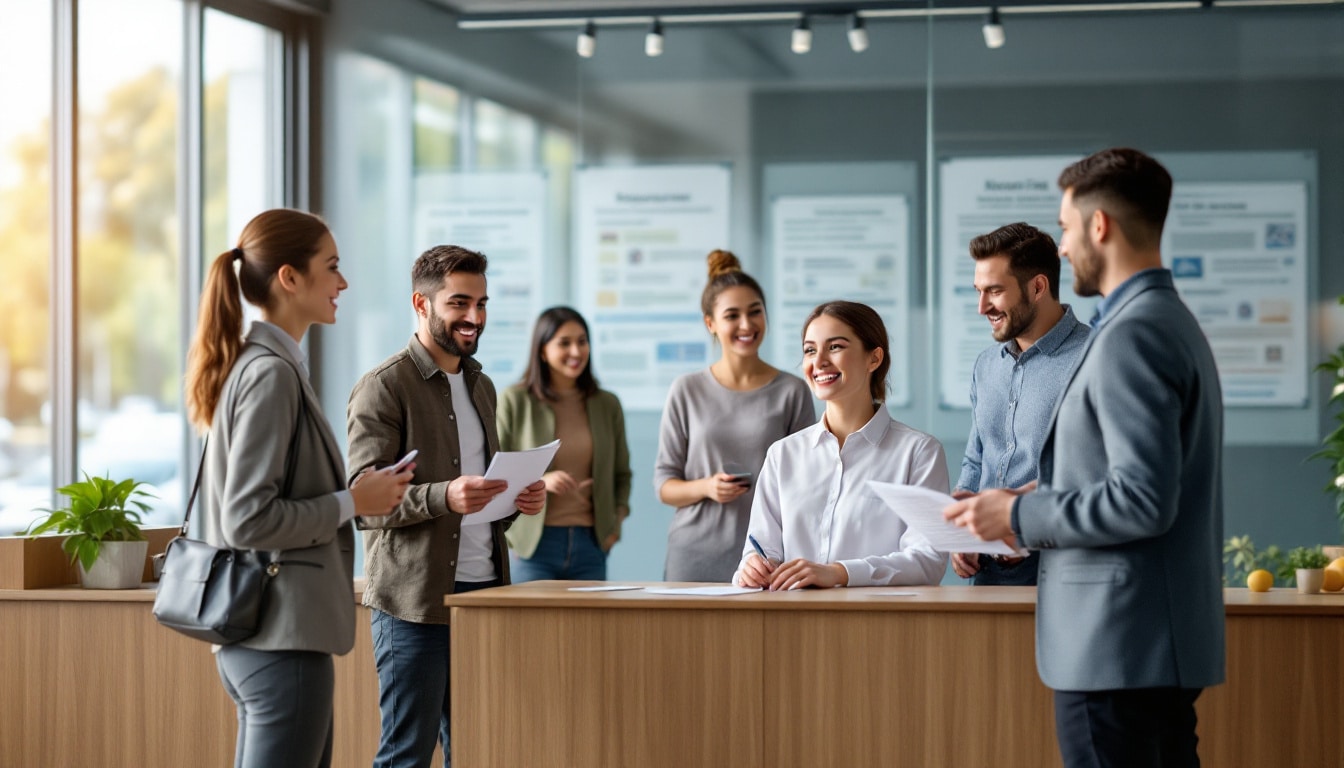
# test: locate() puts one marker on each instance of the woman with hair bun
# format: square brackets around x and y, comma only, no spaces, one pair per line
[717,426]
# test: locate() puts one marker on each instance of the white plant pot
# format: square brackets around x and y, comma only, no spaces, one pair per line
[120,565]
[1309,580]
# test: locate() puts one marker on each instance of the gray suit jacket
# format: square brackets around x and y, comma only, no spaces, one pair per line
[310,604]
[1129,511]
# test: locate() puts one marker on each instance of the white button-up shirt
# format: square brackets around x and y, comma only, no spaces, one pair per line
[813,502]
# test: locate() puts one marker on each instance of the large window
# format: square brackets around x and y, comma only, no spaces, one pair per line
[134,221]
[25,261]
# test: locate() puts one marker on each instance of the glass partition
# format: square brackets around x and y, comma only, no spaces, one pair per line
[862,174]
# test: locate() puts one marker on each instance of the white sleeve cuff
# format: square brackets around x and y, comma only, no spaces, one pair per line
[347,502]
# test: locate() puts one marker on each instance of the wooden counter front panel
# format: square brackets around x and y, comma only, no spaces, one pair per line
[659,687]
[905,689]
[85,683]
[1280,704]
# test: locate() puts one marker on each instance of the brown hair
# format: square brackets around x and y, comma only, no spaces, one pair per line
[872,333]
[537,377]
[1030,252]
[432,266]
[1128,185]
[725,272]
[270,240]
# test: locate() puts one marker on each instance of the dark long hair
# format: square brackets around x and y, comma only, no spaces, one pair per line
[537,377]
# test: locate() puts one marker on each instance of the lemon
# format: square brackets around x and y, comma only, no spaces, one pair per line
[1338,564]
[1259,581]
[1334,580]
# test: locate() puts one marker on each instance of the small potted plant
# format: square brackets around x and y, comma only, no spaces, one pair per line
[102,527]
[1307,566]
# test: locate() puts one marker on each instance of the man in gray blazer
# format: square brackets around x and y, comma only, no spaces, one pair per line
[1129,513]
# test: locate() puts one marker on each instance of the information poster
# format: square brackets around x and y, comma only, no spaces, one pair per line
[502,215]
[976,196]
[1238,254]
[641,238]
[853,247]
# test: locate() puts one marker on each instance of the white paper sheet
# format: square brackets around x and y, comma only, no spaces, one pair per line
[922,510]
[605,588]
[520,469]
[723,591]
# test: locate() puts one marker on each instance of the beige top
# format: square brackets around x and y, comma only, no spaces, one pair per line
[574,456]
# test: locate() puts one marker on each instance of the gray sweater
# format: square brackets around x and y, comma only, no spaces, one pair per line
[708,428]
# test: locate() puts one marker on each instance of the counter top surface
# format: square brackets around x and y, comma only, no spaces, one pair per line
[544,594]
[550,594]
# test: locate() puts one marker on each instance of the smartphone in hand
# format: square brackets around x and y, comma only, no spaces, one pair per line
[400,465]
[742,478]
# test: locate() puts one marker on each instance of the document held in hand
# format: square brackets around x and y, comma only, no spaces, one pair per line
[519,469]
[922,510]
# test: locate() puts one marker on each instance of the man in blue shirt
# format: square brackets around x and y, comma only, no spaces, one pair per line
[1015,383]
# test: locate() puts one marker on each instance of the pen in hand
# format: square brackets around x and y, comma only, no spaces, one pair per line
[756,545]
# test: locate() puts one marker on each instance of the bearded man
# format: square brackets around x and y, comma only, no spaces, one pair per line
[432,397]
[1015,383]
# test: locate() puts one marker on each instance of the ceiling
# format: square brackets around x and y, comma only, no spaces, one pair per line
[638,7]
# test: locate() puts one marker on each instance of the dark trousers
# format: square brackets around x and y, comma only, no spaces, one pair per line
[412,663]
[992,573]
[284,701]
[1137,728]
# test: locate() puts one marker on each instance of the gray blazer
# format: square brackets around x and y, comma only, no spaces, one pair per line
[310,604]
[1129,511]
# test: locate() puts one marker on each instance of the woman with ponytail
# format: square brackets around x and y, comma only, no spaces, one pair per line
[250,393]
[717,426]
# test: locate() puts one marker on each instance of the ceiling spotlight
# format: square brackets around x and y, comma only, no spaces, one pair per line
[858,34]
[588,40]
[802,36]
[653,41]
[993,29]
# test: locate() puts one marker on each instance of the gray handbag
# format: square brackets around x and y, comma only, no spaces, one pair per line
[212,593]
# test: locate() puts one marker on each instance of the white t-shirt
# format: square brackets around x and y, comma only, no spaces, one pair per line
[473,555]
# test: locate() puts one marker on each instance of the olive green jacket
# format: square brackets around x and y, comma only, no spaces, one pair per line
[527,422]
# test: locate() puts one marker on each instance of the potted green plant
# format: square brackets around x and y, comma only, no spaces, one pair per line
[1305,565]
[102,527]
[1332,447]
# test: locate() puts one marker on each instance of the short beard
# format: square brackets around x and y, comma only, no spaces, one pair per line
[1018,320]
[1087,281]
[438,330]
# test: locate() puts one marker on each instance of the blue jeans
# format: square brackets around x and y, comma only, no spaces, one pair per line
[564,552]
[412,663]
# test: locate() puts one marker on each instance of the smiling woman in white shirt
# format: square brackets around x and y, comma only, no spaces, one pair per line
[813,514]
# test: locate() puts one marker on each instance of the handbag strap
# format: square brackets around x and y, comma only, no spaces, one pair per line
[291,457]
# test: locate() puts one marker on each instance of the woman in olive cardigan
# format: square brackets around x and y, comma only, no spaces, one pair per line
[588,485]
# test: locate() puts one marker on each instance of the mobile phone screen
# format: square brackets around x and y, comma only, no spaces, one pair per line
[395,468]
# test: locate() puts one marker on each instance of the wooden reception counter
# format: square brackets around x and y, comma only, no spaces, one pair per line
[547,677]
[926,676]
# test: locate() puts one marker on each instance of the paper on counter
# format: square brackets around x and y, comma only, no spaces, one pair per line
[725,590]
[922,510]
[520,469]
[605,588]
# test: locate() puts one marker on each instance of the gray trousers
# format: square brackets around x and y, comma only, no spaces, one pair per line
[284,701]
